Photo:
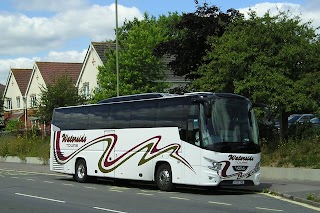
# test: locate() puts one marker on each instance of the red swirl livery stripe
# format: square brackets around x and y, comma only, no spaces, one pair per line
[151,151]
[151,147]
[62,159]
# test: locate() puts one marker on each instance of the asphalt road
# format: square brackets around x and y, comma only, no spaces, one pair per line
[40,193]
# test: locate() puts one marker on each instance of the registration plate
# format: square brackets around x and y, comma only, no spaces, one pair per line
[238,182]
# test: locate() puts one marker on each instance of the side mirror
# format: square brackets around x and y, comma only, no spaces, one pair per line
[206,104]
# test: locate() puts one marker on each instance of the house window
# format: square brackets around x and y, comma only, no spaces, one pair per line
[18,101]
[9,103]
[33,100]
[85,89]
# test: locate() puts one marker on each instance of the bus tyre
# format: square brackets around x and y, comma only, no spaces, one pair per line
[81,171]
[164,178]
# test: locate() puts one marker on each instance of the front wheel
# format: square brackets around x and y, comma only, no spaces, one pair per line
[81,171]
[164,178]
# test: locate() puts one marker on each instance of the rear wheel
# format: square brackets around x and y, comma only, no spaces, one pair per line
[81,171]
[164,178]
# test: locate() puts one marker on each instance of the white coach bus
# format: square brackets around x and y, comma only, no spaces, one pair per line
[204,139]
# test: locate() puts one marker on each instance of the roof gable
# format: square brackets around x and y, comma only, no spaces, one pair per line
[102,47]
[22,77]
[50,71]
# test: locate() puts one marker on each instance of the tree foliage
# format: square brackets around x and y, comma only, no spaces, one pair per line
[1,112]
[62,92]
[139,70]
[271,59]
[188,43]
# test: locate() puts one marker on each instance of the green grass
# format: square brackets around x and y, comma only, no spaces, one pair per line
[21,146]
[301,149]
[314,198]
[293,153]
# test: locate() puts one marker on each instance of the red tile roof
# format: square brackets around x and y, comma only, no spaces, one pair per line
[22,77]
[51,71]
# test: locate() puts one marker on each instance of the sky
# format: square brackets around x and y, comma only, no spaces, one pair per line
[61,30]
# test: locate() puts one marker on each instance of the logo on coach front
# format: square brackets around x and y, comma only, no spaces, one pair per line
[239,168]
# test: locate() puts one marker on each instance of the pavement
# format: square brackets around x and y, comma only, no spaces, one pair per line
[291,189]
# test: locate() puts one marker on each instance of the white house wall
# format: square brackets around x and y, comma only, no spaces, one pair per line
[34,88]
[13,92]
[90,72]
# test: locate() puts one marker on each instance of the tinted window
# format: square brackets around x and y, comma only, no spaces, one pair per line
[99,117]
[172,113]
[61,117]
[120,115]
[144,114]
[79,118]
[192,132]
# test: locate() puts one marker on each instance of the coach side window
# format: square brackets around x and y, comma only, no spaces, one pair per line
[120,114]
[61,118]
[143,114]
[173,113]
[193,132]
[79,118]
[99,117]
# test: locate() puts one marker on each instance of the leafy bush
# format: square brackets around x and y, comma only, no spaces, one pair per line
[14,125]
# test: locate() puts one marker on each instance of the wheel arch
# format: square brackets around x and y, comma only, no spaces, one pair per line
[157,166]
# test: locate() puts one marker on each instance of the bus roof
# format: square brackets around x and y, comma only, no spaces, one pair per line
[149,96]
[135,97]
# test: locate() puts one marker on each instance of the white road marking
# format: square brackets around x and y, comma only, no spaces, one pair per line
[292,201]
[219,203]
[67,184]
[90,187]
[163,192]
[180,198]
[37,173]
[267,209]
[115,190]
[41,198]
[14,177]
[47,181]
[31,179]
[108,210]
[118,188]
[140,193]
[147,191]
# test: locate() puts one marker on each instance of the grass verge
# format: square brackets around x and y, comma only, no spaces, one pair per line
[21,146]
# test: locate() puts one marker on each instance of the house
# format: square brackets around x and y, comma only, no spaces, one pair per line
[176,81]
[23,88]
[14,93]
[2,87]
[95,57]
[43,74]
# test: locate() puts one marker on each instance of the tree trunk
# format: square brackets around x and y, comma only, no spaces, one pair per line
[284,125]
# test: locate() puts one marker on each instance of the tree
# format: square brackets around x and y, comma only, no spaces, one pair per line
[270,59]
[139,70]
[62,92]
[189,42]
[1,113]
